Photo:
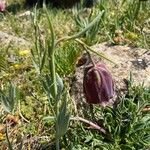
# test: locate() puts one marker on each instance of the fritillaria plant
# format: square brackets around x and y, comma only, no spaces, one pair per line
[51,82]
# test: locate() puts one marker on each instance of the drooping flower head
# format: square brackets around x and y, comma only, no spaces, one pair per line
[98,84]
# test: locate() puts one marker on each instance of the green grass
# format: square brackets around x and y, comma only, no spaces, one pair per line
[127,123]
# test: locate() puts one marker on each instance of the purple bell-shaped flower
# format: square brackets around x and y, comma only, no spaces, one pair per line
[98,84]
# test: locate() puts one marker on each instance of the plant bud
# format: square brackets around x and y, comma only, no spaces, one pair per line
[98,84]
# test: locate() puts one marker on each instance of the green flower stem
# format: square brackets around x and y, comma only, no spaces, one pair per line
[7,138]
[88,48]
[51,51]
[36,29]
[53,75]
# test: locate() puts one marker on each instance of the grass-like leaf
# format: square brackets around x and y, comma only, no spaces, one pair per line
[62,120]
[8,97]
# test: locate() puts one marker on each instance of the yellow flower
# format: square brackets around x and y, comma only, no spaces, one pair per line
[1,137]
[132,36]
[16,66]
[24,52]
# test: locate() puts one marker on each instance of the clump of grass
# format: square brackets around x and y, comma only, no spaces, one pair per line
[66,57]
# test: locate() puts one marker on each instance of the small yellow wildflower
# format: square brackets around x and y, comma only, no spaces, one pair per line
[2,137]
[132,36]
[24,52]
[16,66]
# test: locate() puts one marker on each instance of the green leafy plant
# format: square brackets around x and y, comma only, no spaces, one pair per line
[127,120]
[7,96]
[8,101]
[83,18]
